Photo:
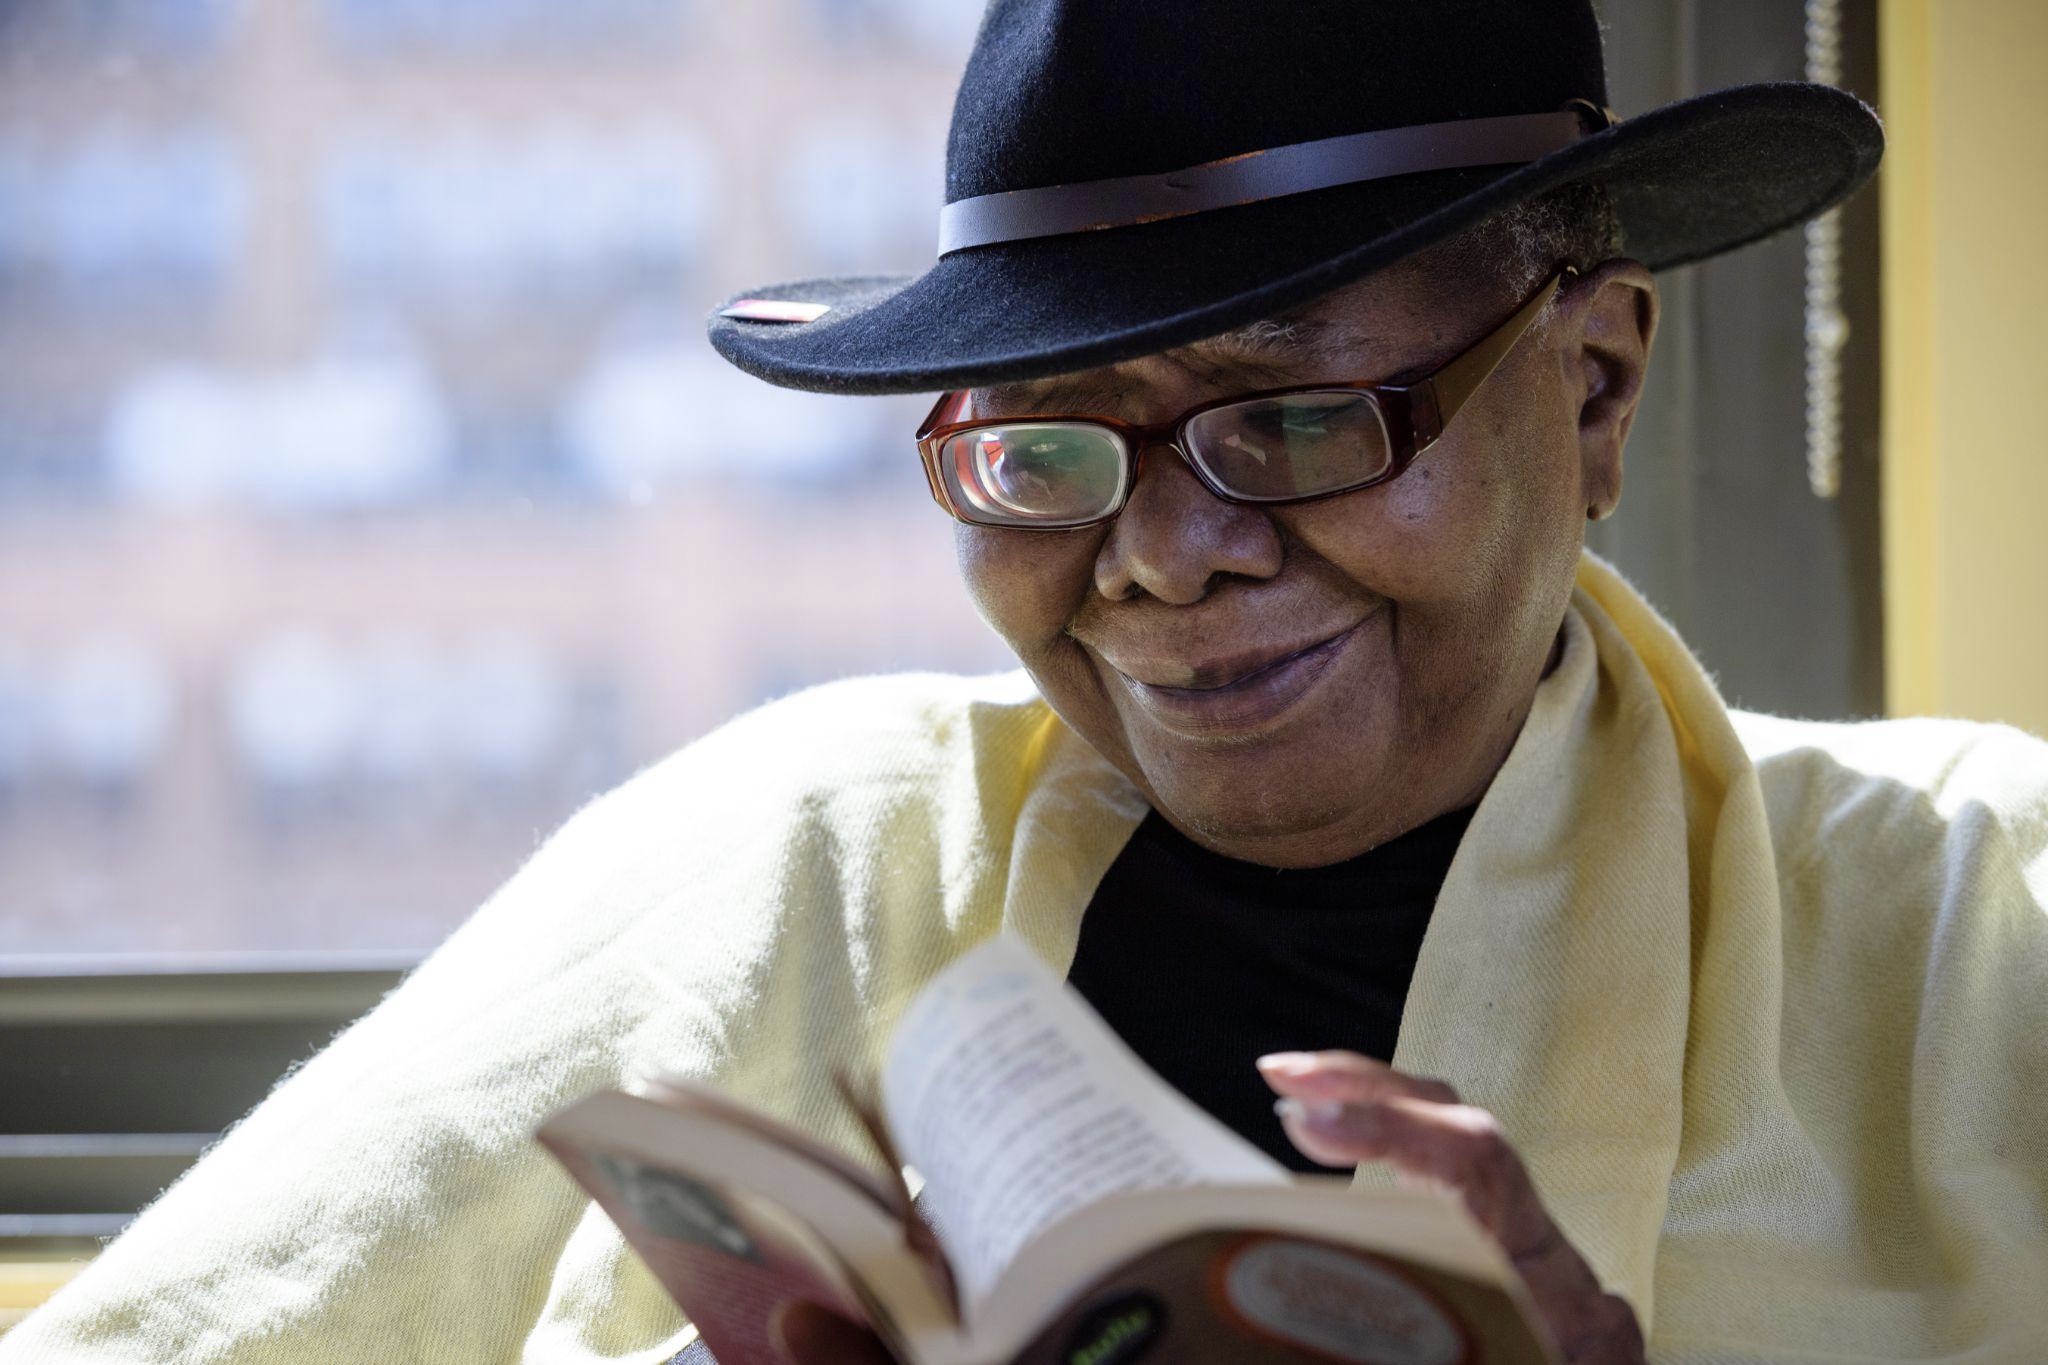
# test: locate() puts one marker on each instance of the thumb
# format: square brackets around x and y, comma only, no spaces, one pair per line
[812,1334]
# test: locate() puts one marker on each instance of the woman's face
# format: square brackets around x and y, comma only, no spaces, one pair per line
[1293,685]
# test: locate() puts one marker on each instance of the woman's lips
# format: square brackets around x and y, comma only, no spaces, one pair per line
[1247,701]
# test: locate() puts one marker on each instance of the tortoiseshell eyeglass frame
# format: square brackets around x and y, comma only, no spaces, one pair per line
[1414,415]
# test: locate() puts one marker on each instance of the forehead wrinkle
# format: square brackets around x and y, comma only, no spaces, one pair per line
[1270,352]
[1067,393]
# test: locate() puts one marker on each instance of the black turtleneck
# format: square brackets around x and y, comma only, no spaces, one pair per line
[1203,963]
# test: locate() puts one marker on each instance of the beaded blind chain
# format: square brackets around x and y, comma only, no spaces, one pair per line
[1827,328]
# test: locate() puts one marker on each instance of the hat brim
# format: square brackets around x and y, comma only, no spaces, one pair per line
[1689,180]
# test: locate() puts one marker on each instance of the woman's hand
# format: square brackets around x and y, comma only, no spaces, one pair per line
[811,1334]
[1340,1109]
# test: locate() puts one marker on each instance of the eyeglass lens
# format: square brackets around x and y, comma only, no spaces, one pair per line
[1035,473]
[1273,449]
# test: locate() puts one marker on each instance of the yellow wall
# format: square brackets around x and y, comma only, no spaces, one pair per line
[1965,204]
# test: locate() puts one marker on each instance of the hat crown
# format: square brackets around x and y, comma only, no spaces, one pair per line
[1059,91]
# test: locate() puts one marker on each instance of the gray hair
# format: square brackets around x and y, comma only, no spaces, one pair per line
[1574,224]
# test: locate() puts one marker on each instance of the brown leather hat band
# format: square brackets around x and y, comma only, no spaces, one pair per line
[1124,201]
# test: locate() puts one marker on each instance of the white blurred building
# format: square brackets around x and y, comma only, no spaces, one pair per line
[368,495]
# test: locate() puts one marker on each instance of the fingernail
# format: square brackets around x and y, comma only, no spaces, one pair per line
[1287,1063]
[1325,1116]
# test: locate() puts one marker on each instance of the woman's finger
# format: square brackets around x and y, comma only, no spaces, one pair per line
[812,1334]
[1337,1075]
[1461,1148]
[1454,1145]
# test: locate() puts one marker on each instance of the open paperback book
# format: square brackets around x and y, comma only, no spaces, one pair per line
[1074,1209]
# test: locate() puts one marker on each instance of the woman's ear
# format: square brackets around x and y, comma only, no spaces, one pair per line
[1613,315]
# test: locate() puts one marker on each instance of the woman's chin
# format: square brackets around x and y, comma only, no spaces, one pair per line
[1283,809]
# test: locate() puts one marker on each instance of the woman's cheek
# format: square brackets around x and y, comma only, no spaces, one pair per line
[1027,585]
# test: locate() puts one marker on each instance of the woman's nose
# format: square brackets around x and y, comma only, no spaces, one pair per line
[1174,536]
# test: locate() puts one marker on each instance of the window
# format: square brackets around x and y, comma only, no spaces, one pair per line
[369,496]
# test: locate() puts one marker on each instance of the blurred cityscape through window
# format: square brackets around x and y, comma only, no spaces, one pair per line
[369,497]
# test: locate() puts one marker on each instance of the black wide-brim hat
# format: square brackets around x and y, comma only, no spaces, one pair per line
[1126,176]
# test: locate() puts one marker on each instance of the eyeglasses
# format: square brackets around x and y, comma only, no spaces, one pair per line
[1279,446]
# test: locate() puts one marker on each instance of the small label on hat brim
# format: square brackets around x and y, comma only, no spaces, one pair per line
[774,310]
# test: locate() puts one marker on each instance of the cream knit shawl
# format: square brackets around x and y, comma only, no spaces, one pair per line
[1763,1004]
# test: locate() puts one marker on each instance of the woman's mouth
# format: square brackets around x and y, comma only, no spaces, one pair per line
[1246,698]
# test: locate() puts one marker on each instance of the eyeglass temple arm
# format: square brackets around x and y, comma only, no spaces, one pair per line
[1457,381]
[951,405]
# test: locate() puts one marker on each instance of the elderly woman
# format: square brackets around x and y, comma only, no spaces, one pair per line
[1286,353]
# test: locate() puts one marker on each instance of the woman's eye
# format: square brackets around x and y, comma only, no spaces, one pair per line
[1309,421]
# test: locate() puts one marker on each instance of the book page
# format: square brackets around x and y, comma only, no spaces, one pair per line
[1018,1105]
